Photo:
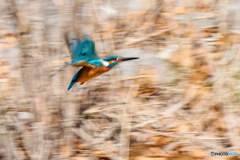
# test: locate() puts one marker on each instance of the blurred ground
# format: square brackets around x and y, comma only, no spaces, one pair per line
[179,101]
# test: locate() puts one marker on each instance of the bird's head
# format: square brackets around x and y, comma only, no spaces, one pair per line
[119,59]
[113,60]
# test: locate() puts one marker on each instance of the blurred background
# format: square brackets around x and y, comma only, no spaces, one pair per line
[180,100]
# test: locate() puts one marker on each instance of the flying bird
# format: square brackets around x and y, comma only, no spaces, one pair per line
[83,54]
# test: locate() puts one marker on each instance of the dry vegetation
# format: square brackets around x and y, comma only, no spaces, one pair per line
[179,101]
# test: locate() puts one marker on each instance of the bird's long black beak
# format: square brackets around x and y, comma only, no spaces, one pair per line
[128,58]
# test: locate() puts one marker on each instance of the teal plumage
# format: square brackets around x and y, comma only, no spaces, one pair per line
[74,79]
[83,54]
[83,50]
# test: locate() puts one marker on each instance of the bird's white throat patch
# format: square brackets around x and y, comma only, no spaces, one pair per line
[105,63]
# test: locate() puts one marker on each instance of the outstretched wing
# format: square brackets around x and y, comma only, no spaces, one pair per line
[82,51]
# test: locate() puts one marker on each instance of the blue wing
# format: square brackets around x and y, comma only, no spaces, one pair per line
[82,51]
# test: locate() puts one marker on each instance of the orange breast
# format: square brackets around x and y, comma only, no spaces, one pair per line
[90,73]
[84,75]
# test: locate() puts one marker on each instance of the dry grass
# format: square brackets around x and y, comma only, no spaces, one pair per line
[179,101]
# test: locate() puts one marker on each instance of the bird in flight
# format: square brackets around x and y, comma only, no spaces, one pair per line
[83,54]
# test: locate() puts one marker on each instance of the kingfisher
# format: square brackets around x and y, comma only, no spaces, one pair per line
[83,54]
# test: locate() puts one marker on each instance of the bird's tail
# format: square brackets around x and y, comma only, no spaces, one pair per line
[65,64]
[71,84]
[74,79]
